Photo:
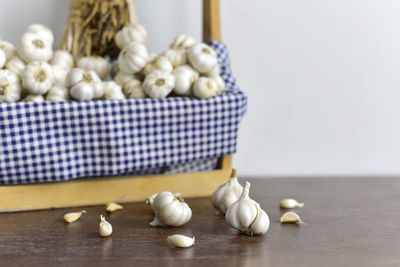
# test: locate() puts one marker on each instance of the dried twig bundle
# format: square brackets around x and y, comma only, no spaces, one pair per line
[92,25]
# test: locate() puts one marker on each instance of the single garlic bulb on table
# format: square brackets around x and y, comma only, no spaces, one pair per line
[246,215]
[169,209]
[227,194]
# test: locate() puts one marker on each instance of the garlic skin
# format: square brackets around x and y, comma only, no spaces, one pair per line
[96,64]
[57,93]
[16,65]
[2,59]
[181,241]
[105,228]
[183,41]
[10,87]
[41,30]
[159,84]
[33,98]
[134,89]
[73,216]
[37,78]
[246,215]
[129,34]
[290,217]
[170,210]
[123,78]
[32,47]
[62,59]
[8,49]
[111,207]
[227,194]
[202,58]
[158,63]
[205,88]
[185,77]
[177,56]
[133,58]
[289,203]
[112,91]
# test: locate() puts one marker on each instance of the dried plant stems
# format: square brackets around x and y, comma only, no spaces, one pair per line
[92,25]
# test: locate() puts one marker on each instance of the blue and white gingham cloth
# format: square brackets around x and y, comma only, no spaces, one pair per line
[57,141]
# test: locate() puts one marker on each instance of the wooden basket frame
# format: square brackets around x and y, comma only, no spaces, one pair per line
[83,192]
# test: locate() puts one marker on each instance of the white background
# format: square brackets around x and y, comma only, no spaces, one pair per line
[322,76]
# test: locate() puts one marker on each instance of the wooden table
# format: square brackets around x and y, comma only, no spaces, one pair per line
[350,222]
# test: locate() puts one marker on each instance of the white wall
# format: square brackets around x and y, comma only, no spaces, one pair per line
[322,76]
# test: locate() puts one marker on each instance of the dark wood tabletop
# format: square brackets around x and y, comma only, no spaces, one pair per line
[349,222]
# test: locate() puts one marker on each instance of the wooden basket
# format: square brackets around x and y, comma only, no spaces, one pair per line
[95,191]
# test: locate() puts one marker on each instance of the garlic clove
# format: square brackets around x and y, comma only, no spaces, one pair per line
[105,228]
[289,203]
[181,241]
[73,216]
[290,217]
[111,207]
[261,224]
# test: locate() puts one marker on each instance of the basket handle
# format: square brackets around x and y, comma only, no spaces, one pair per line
[211,20]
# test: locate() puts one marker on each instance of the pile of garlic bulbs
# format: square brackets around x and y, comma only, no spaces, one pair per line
[32,71]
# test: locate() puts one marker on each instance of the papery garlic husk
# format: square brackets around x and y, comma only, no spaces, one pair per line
[105,228]
[73,216]
[246,215]
[181,241]
[227,194]
[170,210]
[112,206]
[33,98]
[289,203]
[290,217]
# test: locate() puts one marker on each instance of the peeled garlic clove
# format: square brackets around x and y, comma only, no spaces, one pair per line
[181,241]
[290,217]
[105,228]
[111,207]
[227,194]
[73,216]
[289,203]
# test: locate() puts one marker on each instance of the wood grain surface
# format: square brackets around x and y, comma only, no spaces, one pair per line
[349,222]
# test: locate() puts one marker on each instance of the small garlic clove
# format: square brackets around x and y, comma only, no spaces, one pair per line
[111,207]
[290,217]
[289,203]
[105,228]
[73,216]
[181,241]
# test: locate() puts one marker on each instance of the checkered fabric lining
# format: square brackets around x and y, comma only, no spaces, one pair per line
[49,141]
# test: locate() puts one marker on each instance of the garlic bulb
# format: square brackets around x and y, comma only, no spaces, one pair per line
[113,91]
[96,64]
[170,209]
[77,75]
[129,34]
[33,98]
[289,203]
[2,59]
[183,41]
[134,89]
[177,56]
[32,47]
[57,93]
[16,65]
[111,207]
[246,215]
[83,85]
[185,77]
[73,216]
[227,194]
[59,74]
[158,84]
[219,82]
[10,88]
[290,217]
[41,30]
[181,241]
[62,59]
[158,63]
[37,78]
[8,49]
[82,91]
[105,228]
[122,77]
[133,58]
[205,88]
[202,57]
